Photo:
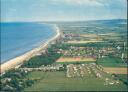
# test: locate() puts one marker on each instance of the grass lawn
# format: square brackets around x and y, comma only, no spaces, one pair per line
[57,81]
[111,62]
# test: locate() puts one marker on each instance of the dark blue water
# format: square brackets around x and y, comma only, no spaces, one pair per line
[18,38]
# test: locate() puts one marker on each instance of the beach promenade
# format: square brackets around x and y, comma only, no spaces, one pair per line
[20,59]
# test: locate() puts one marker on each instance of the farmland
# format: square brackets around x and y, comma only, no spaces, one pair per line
[79,42]
[76,59]
[116,70]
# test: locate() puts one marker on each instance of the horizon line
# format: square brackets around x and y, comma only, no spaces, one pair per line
[65,20]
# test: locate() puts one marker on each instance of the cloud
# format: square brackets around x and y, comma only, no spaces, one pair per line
[79,2]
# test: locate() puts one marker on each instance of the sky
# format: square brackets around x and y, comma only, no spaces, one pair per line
[62,10]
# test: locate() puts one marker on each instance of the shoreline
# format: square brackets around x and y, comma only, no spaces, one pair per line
[22,58]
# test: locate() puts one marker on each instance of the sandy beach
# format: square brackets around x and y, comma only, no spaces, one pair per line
[20,59]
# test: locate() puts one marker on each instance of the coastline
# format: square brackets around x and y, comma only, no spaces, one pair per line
[22,58]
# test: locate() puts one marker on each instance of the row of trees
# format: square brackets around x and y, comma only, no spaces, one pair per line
[45,59]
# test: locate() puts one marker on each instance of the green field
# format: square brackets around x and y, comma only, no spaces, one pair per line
[77,62]
[111,62]
[57,81]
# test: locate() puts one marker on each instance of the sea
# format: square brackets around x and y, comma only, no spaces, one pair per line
[19,38]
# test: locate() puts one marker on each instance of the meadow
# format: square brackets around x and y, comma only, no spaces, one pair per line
[111,62]
[57,81]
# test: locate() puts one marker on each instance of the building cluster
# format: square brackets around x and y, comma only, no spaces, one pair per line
[81,70]
[84,70]
[51,68]
[70,35]
[91,52]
